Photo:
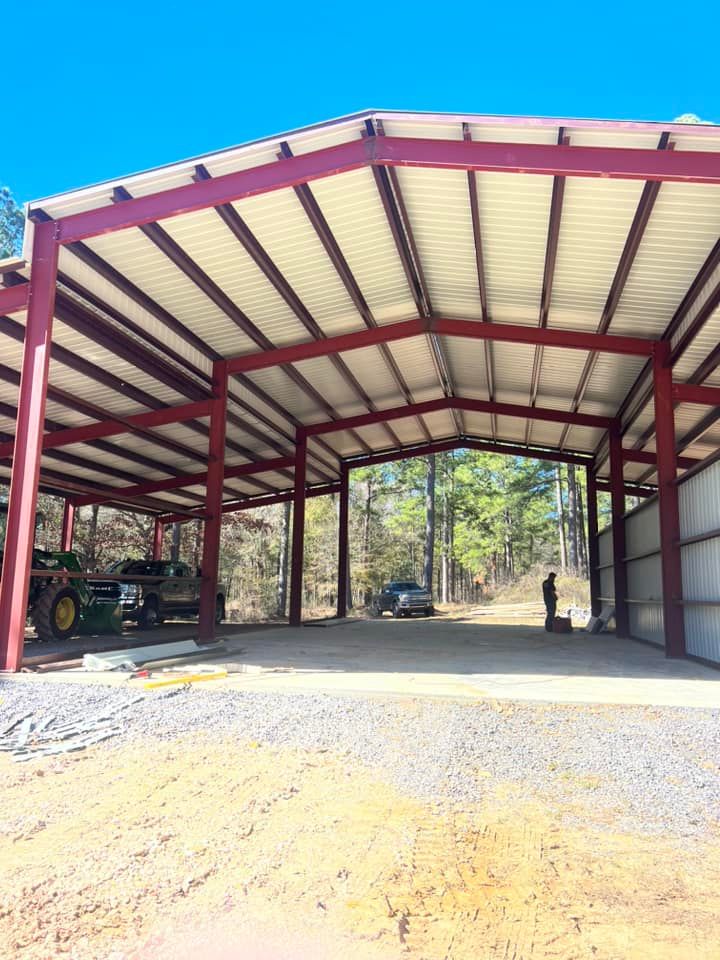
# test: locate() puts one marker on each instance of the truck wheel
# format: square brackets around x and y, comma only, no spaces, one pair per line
[396,611]
[149,616]
[57,613]
[430,612]
[219,609]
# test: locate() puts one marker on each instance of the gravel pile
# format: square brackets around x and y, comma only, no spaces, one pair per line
[653,768]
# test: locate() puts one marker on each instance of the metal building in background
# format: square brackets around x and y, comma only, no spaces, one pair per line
[261,319]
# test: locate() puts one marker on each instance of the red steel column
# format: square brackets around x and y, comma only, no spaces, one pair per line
[20,533]
[68,525]
[593,545]
[213,503]
[343,522]
[668,503]
[617,496]
[298,532]
[158,538]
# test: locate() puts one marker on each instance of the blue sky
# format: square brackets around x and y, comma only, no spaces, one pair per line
[96,90]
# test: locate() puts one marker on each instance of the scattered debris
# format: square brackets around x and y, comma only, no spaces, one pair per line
[134,657]
[30,737]
[171,678]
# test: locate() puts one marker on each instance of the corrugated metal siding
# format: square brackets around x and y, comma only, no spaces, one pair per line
[605,555]
[644,576]
[700,513]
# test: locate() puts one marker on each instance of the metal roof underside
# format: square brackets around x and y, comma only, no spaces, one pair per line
[142,312]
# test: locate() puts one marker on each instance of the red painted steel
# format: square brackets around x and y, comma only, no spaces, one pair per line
[458,403]
[187,480]
[214,498]
[617,494]
[14,299]
[550,159]
[467,443]
[593,544]
[535,158]
[20,530]
[321,490]
[668,504]
[298,533]
[68,525]
[647,456]
[471,329]
[343,529]
[694,393]
[158,538]
[110,428]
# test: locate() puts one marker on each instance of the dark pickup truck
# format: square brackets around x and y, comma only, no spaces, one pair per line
[402,598]
[175,592]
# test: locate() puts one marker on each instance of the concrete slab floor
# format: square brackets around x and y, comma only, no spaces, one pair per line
[455,658]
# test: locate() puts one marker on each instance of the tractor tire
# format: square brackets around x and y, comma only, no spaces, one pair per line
[57,613]
[219,609]
[149,614]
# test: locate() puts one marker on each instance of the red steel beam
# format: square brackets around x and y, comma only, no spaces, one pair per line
[20,524]
[13,299]
[418,327]
[459,403]
[467,443]
[213,504]
[298,534]
[646,456]
[158,538]
[110,428]
[481,279]
[251,503]
[694,393]
[343,553]
[593,543]
[189,480]
[668,507]
[602,486]
[535,158]
[68,525]
[617,494]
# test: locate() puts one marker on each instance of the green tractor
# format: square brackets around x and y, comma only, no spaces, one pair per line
[58,607]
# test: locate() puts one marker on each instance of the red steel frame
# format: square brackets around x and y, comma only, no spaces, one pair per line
[343,546]
[298,533]
[158,539]
[593,543]
[213,503]
[617,496]
[668,503]
[68,525]
[558,160]
[19,537]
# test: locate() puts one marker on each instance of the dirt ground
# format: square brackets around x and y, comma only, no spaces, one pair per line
[200,848]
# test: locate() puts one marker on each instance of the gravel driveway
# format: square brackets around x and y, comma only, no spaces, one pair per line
[652,769]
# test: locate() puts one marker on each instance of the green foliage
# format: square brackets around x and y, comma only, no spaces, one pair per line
[11,225]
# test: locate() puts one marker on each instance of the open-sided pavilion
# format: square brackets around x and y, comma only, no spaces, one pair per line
[245,327]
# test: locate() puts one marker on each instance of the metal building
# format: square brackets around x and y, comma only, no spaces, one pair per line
[258,321]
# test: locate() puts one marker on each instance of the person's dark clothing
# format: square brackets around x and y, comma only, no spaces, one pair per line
[550,598]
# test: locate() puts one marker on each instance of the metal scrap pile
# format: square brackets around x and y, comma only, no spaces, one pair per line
[30,736]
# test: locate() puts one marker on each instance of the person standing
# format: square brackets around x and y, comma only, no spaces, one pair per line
[550,598]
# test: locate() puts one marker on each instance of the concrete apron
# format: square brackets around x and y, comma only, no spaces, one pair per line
[449,658]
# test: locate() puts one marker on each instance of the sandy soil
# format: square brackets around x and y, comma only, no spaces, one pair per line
[207,849]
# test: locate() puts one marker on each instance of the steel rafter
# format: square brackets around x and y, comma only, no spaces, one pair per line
[444,326]
[14,298]
[167,320]
[388,186]
[528,158]
[467,443]
[184,262]
[622,272]
[260,257]
[460,403]
[553,236]
[317,220]
[481,280]
[250,503]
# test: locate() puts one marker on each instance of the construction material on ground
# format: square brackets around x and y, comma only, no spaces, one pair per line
[30,736]
[133,657]
[600,623]
[562,625]
[170,678]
